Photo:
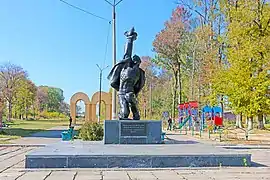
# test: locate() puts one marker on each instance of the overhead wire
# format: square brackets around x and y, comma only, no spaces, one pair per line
[85,11]
[92,14]
[107,42]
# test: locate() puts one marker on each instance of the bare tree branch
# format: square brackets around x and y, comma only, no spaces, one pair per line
[192,9]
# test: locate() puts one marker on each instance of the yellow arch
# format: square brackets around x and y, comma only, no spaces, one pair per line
[107,98]
[74,99]
[90,106]
[80,96]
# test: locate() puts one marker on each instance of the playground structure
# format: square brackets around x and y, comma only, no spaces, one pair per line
[192,119]
[188,115]
[211,117]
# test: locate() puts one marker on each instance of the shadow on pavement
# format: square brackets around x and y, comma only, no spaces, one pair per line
[35,132]
[243,147]
[173,141]
[254,164]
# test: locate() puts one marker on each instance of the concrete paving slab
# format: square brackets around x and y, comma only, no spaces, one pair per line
[12,154]
[165,174]
[141,175]
[37,175]
[10,175]
[5,151]
[61,175]
[89,175]
[114,175]
[14,160]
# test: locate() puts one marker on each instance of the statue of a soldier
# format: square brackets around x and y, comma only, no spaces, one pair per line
[128,79]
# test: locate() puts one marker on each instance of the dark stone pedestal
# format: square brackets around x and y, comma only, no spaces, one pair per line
[80,154]
[132,132]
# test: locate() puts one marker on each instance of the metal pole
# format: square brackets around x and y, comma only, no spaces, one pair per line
[100,79]
[151,113]
[114,59]
[99,105]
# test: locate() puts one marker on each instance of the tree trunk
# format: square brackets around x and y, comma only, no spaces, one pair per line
[260,122]
[179,79]
[192,76]
[222,107]
[34,113]
[250,123]
[1,116]
[9,111]
[151,99]
[239,118]
[174,93]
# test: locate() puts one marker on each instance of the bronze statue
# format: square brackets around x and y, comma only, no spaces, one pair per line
[128,79]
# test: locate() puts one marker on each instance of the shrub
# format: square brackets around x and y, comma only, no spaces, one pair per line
[52,115]
[91,132]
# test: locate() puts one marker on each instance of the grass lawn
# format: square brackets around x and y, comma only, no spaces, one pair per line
[23,128]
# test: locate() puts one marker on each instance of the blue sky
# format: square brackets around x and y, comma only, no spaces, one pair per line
[60,46]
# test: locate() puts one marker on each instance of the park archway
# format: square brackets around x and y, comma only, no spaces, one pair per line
[90,106]
[73,101]
[107,99]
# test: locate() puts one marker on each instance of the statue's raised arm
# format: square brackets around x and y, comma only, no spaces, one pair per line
[128,79]
[131,36]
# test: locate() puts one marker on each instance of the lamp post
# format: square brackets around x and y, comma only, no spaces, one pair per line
[100,79]
[114,4]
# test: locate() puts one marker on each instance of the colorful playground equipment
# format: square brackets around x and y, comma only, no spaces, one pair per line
[188,114]
[189,118]
[211,117]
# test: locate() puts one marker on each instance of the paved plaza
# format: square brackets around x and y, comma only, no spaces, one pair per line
[12,167]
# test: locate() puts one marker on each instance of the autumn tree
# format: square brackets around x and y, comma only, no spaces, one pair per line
[41,99]
[171,46]
[11,75]
[145,97]
[64,108]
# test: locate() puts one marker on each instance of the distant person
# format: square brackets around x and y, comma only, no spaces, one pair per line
[70,121]
[169,124]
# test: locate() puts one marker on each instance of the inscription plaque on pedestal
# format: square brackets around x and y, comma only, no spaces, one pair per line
[133,129]
[132,132]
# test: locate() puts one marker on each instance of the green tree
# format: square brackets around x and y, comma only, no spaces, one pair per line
[155,96]
[10,76]
[208,53]
[55,98]
[25,98]
[248,55]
